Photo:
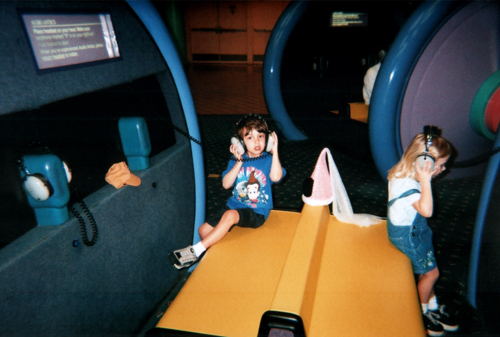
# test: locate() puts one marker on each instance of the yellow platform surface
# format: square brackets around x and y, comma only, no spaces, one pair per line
[341,279]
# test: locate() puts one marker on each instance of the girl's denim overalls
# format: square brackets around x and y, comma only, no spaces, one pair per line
[414,241]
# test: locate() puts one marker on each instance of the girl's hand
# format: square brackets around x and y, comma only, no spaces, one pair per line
[424,174]
[424,206]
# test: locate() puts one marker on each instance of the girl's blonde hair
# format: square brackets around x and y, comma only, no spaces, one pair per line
[440,148]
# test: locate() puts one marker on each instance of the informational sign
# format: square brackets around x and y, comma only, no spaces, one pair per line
[348,19]
[59,40]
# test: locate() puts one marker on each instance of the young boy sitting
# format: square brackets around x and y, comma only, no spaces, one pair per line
[251,173]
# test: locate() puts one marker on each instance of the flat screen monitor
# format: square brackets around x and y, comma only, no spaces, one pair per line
[348,19]
[61,40]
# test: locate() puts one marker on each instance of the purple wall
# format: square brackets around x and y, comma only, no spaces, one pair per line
[447,76]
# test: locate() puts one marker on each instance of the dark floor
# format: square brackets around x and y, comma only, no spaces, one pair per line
[222,94]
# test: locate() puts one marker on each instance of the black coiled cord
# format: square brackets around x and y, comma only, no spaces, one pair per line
[83,227]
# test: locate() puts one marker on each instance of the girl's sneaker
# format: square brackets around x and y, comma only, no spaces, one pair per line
[448,322]
[432,327]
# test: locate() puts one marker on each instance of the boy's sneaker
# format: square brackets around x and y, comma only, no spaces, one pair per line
[432,327]
[183,258]
[448,322]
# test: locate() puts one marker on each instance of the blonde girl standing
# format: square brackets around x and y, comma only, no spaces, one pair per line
[410,204]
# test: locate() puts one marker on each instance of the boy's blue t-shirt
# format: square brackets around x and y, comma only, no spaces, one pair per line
[252,187]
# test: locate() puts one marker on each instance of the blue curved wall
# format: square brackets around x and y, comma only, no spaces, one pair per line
[481,223]
[392,79]
[112,286]
[153,22]
[271,72]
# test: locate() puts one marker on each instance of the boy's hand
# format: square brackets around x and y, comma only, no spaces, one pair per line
[234,150]
[276,170]
[274,150]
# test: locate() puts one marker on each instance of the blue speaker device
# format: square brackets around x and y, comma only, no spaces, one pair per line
[45,179]
[135,141]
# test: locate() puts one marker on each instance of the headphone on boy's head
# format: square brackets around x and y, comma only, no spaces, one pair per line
[429,133]
[238,141]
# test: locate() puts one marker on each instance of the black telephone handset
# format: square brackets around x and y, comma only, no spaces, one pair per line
[240,145]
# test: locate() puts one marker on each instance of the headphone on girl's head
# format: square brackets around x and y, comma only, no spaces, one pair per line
[238,141]
[429,133]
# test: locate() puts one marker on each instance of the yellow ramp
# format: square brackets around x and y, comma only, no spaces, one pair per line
[341,279]
[235,282]
[365,286]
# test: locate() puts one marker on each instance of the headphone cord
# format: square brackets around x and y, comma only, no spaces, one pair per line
[462,164]
[476,160]
[188,136]
[430,131]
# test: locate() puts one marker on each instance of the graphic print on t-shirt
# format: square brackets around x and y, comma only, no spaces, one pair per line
[250,187]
